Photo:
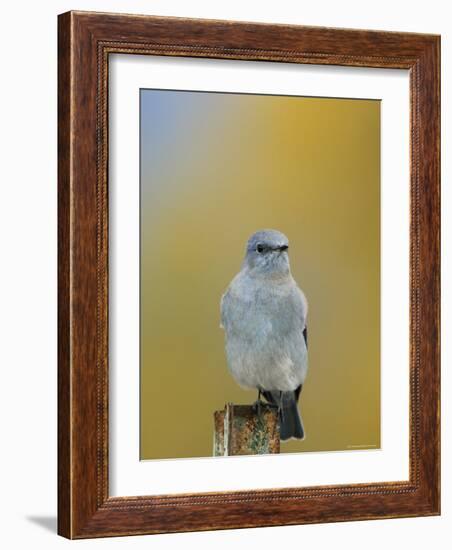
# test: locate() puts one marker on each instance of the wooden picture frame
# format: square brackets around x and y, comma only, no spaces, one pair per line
[85,42]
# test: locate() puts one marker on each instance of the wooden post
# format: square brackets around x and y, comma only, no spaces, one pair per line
[239,430]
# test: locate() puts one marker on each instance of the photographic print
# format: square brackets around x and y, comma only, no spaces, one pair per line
[271,206]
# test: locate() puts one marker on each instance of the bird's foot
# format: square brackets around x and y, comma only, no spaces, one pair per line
[260,405]
[257,406]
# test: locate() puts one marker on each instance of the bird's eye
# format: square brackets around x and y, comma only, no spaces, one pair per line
[260,248]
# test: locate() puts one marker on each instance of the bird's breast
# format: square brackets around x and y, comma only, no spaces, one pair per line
[264,325]
[256,310]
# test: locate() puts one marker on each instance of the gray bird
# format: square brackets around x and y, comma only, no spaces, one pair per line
[263,313]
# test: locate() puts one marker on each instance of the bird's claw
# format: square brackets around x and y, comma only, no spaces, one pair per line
[257,406]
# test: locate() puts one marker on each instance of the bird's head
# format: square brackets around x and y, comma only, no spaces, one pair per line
[267,253]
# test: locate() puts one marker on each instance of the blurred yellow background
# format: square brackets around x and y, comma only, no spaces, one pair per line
[215,168]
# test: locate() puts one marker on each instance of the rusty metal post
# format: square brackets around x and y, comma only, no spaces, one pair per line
[239,430]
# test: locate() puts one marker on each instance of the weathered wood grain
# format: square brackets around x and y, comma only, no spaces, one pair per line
[240,430]
[85,41]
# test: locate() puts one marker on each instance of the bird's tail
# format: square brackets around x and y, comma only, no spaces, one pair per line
[291,424]
[290,421]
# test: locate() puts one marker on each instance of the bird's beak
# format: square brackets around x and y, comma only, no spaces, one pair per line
[283,248]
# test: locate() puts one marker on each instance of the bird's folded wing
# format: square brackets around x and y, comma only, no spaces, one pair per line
[223,301]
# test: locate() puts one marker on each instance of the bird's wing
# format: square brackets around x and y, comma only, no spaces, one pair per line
[302,310]
[223,305]
[297,391]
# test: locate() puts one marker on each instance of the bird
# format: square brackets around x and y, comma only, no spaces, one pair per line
[263,314]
